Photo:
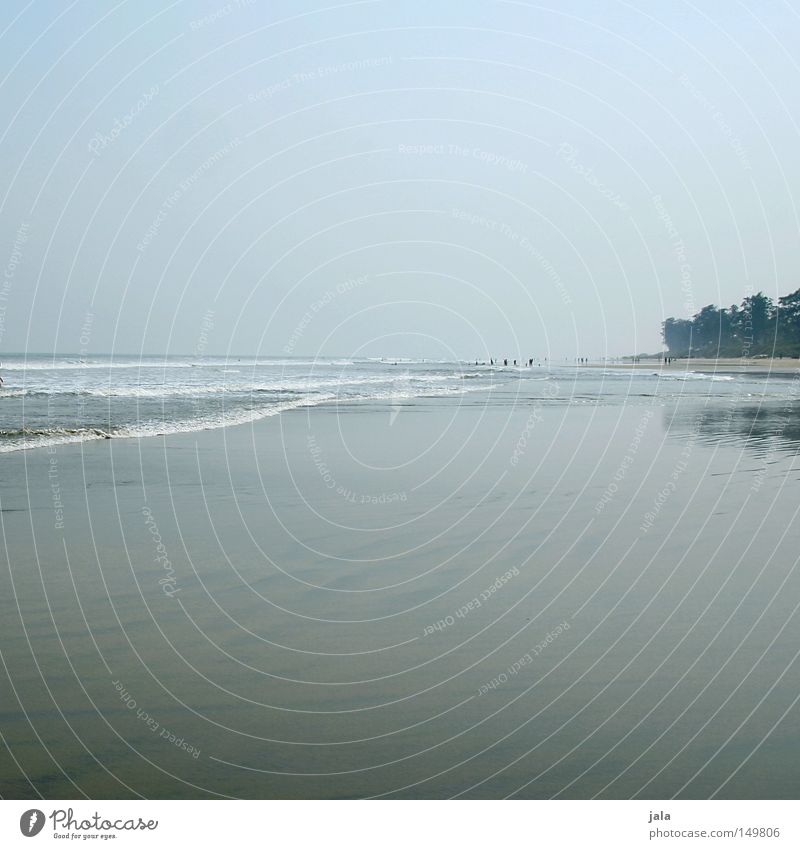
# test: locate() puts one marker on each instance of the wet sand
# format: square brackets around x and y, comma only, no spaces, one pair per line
[724,365]
[448,597]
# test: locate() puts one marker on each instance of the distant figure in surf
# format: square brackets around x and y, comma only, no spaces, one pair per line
[505,362]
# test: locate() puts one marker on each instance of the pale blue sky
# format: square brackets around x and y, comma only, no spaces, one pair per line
[418,178]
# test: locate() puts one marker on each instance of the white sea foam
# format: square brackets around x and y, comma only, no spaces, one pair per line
[77,364]
[186,389]
[39,437]
[59,436]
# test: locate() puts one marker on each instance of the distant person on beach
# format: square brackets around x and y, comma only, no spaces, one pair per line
[505,362]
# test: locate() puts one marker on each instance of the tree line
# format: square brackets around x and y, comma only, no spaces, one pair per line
[759,326]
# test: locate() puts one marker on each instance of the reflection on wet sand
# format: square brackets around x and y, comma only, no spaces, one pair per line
[761,428]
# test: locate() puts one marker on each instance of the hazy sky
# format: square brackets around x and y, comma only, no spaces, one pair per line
[438,178]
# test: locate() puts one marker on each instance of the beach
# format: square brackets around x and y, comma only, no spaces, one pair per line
[509,592]
[722,365]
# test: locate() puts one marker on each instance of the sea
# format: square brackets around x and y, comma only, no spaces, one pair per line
[350,578]
[49,400]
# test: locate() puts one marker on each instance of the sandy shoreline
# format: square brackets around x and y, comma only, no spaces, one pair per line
[728,365]
[373,601]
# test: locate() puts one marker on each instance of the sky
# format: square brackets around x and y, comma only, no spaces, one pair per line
[427,179]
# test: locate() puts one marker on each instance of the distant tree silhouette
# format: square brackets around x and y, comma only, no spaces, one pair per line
[757,327]
[789,314]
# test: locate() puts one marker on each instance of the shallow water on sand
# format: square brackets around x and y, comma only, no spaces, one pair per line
[516,591]
[56,400]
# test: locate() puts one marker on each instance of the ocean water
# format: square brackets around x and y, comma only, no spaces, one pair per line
[54,400]
[50,400]
[421,580]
